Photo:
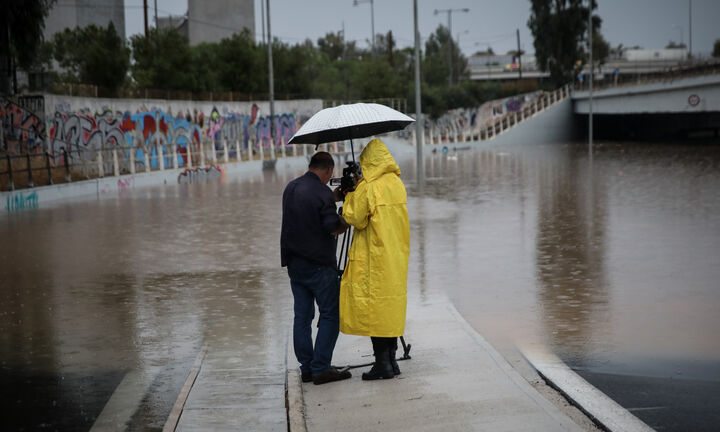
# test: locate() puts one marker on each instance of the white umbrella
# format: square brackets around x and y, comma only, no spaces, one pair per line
[350,121]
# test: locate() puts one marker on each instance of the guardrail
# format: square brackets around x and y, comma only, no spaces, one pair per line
[31,169]
[669,74]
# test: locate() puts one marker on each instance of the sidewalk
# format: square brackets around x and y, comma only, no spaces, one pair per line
[455,381]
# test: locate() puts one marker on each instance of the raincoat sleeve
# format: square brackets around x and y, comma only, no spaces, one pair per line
[356,210]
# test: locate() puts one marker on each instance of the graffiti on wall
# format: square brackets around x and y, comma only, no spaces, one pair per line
[452,123]
[146,132]
[22,130]
[201,175]
[243,130]
[21,201]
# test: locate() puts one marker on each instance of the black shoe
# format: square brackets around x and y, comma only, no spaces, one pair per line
[382,369]
[393,361]
[330,375]
[306,376]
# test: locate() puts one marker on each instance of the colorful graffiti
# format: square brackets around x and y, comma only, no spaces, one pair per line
[243,130]
[83,134]
[455,123]
[21,201]
[103,140]
[22,131]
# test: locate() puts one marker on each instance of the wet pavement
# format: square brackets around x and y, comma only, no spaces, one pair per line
[613,264]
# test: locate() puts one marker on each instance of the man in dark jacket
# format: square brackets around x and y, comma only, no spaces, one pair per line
[307,246]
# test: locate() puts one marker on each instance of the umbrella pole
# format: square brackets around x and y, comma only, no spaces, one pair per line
[352,150]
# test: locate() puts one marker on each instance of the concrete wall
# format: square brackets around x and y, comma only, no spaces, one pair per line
[553,125]
[686,95]
[86,125]
[114,187]
[213,20]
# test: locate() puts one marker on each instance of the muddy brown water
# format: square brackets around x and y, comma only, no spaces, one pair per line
[614,263]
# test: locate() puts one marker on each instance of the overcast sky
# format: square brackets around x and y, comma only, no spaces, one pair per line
[647,23]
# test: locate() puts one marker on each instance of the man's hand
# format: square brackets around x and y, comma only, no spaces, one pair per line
[337,193]
[342,227]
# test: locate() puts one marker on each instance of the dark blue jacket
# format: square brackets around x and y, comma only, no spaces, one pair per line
[308,221]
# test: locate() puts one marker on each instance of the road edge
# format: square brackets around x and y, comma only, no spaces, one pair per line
[294,400]
[605,412]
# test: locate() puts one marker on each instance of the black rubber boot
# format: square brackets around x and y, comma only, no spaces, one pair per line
[393,359]
[382,369]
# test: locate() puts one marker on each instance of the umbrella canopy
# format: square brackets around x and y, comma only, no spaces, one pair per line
[350,121]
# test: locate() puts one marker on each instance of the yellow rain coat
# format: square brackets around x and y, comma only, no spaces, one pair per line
[373,292]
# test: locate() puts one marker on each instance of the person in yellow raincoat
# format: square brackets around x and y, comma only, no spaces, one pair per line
[373,292]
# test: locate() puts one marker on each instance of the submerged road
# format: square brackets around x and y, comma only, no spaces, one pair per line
[612,265]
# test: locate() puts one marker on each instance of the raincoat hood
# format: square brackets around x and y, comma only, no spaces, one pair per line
[376,160]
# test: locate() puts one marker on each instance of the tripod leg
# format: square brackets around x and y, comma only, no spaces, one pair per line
[406,349]
[352,235]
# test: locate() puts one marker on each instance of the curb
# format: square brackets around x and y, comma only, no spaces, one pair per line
[177,409]
[604,411]
[294,400]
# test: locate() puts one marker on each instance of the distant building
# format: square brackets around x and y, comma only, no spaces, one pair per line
[213,20]
[178,22]
[66,14]
[635,55]
[82,13]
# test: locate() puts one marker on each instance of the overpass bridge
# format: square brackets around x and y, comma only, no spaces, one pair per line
[672,107]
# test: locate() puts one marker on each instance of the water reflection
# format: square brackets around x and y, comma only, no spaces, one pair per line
[570,242]
[533,242]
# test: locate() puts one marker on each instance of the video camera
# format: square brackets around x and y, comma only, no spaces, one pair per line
[347,181]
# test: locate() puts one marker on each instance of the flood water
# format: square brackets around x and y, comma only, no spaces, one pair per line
[613,263]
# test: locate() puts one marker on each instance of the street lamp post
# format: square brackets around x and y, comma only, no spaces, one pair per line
[590,81]
[272,83]
[372,21]
[419,129]
[449,14]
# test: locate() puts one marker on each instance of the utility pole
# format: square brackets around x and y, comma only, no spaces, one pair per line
[590,81]
[418,109]
[272,84]
[690,31]
[262,16]
[145,8]
[450,44]
[517,32]
[156,21]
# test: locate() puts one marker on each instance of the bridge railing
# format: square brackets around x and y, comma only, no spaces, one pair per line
[454,133]
[669,74]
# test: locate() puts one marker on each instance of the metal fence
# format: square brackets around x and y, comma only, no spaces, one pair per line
[646,77]
[31,169]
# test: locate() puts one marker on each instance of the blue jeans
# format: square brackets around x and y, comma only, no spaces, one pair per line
[314,283]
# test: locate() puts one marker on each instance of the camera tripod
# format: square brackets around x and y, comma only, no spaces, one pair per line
[347,238]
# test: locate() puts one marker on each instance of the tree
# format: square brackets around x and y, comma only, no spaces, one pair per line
[716,49]
[242,64]
[21,32]
[560,31]
[163,61]
[333,45]
[92,55]
[439,50]
[488,52]
[674,45]
[601,50]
